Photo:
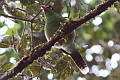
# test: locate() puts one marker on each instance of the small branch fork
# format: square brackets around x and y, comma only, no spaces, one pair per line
[18,18]
[40,50]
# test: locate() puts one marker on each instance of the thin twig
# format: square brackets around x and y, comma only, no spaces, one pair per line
[22,37]
[80,3]
[21,10]
[48,2]
[31,28]
[18,18]
[69,9]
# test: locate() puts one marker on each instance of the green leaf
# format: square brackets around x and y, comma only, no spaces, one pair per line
[54,71]
[99,34]
[7,66]
[10,54]
[70,61]
[16,35]
[16,78]
[9,31]
[11,8]
[65,74]
[34,9]
[5,42]
[2,24]
[117,6]
[34,69]
[27,2]
[48,57]
[86,36]
[60,66]
[2,60]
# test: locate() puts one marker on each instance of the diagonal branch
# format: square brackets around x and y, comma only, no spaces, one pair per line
[65,29]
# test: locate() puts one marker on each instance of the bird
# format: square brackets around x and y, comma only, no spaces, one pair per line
[66,44]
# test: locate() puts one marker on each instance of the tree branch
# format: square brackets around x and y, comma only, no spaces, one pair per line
[65,29]
[13,17]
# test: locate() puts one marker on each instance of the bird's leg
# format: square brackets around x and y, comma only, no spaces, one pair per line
[62,50]
[56,42]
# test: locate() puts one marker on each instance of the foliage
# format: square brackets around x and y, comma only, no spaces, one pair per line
[17,41]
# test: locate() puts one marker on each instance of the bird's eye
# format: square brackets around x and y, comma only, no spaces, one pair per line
[50,7]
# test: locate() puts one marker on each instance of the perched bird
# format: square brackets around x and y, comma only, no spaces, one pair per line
[53,21]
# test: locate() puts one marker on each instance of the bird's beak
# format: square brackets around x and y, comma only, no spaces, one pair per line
[45,8]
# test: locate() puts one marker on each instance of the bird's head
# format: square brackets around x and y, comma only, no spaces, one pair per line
[48,10]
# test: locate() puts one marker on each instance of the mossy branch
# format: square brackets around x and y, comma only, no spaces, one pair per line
[65,29]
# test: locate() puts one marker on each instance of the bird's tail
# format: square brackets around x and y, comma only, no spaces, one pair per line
[77,58]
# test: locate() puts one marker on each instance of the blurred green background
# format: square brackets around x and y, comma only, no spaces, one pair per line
[101,35]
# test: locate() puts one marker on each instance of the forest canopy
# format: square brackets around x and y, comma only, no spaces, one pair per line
[25,52]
